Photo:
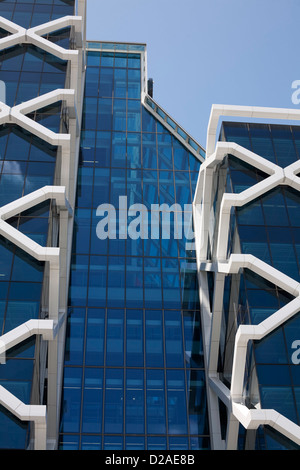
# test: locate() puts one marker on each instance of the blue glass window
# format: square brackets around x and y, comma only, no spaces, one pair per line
[134,284]
[114,402]
[102,149]
[237,133]
[75,335]
[193,343]
[197,402]
[119,115]
[156,409]
[152,282]
[154,338]
[271,349]
[133,150]
[134,338]
[171,283]
[95,336]
[118,154]
[173,338]
[92,81]
[134,116]
[91,442]
[93,59]
[135,443]
[284,146]
[70,421]
[116,282]
[101,186]
[115,338]
[164,149]
[134,84]
[149,151]
[120,83]
[106,82]
[176,402]
[89,114]
[104,121]
[79,276]
[134,412]
[84,187]
[92,400]
[97,281]
[128,323]
[261,142]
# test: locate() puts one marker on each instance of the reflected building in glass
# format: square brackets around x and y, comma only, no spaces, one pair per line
[120,330]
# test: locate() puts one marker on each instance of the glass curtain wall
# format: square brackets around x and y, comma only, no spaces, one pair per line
[134,372]
[26,164]
[268,228]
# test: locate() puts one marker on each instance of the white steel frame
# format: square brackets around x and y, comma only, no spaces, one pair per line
[223,264]
[52,329]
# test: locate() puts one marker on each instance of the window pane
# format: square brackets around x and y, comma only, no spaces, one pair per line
[134,338]
[152,282]
[156,411]
[173,339]
[75,336]
[114,400]
[92,401]
[154,339]
[115,338]
[177,419]
[134,413]
[94,349]
[70,421]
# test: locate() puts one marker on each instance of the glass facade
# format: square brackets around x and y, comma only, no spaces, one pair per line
[134,374]
[26,164]
[267,228]
[134,371]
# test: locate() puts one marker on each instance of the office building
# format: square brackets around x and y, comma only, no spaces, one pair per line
[120,329]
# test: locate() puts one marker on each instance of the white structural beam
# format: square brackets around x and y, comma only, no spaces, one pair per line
[64,195]
[52,255]
[17,33]
[20,35]
[37,414]
[34,413]
[223,264]
[18,115]
[252,419]
[251,112]
[45,328]
[57,193]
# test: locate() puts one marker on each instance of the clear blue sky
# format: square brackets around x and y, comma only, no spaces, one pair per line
[200,52]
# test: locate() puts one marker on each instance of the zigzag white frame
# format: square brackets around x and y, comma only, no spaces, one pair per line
[57,257]
[251,112]
[244,334]
[20,35]
[34,413]
[30,246]
[233,399]
[277,176]
[47,328]
[17,115]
